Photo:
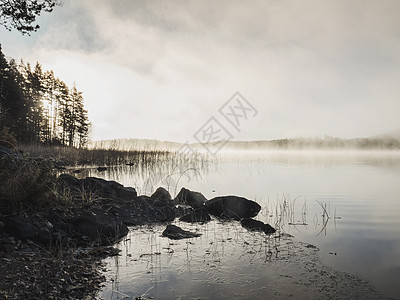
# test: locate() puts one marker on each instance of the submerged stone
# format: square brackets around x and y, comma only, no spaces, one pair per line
[255,225]
[176,233]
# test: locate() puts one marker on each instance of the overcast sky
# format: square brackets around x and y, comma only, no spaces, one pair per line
[161,69]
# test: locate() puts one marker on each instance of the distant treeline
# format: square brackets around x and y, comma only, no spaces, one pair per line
[38,107]
[327,142]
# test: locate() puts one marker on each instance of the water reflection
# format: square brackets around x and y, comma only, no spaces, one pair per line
[347,204]
[217,265]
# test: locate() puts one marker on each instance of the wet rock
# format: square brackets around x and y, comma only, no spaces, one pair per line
[232,207]
[124,193]
[198,215]
[176,233]
[188,197]
[129,214]
[254,225]
[156,210]
[98,227]
[94,187]
[99,187]
[161,194]
[21,228]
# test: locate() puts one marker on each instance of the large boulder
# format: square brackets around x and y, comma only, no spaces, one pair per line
[176,233]
[21,228]
[98,187]
[125,193]
[156,210]
[255,225]
[94,187]
[232,207]
[188,197]
[161,194]
[143,209]
[98,227]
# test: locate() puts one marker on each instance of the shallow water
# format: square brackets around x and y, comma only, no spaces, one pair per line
[346,204]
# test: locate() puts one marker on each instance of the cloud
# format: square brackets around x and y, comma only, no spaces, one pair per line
[310,67]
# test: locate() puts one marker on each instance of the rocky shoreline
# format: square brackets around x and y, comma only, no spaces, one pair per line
[55,252]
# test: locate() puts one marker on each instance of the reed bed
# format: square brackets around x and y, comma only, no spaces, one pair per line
[71,156]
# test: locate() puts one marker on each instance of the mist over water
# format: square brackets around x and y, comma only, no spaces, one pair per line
[346,203]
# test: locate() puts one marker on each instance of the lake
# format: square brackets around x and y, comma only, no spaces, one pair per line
[345,203]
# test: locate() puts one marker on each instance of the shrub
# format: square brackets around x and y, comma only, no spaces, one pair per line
[25,181]
[7,139]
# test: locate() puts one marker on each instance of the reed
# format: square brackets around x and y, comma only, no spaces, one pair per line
[71,156]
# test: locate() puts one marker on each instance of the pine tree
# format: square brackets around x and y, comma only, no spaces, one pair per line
[64,109]
[36,106]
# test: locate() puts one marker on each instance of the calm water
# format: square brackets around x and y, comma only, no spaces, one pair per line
[347,204]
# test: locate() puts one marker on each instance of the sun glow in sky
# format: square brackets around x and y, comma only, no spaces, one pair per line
[161,69]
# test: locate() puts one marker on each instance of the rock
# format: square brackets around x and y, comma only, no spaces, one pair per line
[6,247]
[108,189]
[21,228]
[60,236]
[232,207]
[254,225]
[94,187]
[161,194]
[176,233]
[156,210]
[101,169]
[96,226]
[198,215]
[141,210]
[194,199]
[56,219]
[99,187]
[44,236]
[69,184]
[124,193]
